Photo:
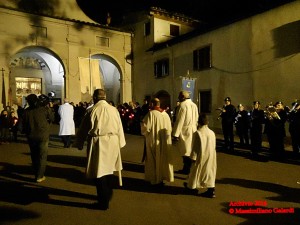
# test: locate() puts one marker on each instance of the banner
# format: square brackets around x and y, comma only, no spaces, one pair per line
[188,84]
[90,77]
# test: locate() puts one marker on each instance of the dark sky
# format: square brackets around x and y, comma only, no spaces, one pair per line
[209,11]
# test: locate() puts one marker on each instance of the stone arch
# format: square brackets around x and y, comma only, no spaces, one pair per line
[38,70]
[111,73]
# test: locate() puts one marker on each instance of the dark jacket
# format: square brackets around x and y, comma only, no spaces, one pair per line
[36,122]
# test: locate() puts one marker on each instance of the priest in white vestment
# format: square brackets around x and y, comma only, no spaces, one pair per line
[204,166]
[103,129]
[156,127]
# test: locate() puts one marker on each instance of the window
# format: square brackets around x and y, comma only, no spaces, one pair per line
[102,41]
[161,68]
[147,29]
[205,101]
[202,58]
[174,30]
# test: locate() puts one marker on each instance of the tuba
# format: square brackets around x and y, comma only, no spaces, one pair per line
[271,113]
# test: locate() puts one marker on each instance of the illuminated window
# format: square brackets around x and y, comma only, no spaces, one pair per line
[26,86]
[161,68]
[202,58]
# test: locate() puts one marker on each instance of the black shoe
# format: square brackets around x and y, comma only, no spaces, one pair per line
[208,194]
[99,206]
[185,172]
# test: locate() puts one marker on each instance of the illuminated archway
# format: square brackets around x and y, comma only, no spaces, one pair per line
[36,70]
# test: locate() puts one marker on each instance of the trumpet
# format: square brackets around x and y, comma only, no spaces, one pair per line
[221,111]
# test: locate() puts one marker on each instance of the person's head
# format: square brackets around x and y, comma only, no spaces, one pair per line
[279,105]
[202,120]
[32,100]
[241,107]
[66,100]
[155,102]
[183,95]
[256,104]
[99,94]
[227,101]
[4,112]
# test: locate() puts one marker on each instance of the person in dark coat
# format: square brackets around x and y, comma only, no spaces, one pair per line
[228,115]
[256,128]
[275,130]
[294,127]
[36,125]
[242,123]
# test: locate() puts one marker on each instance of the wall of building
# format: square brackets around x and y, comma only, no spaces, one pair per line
[68,40]
[252,59]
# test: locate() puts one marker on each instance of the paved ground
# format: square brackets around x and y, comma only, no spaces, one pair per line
[65,195]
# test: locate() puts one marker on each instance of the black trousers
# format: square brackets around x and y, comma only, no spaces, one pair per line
[104,186]
[66,140]
[187,163]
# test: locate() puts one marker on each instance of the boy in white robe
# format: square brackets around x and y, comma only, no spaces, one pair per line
[204,166]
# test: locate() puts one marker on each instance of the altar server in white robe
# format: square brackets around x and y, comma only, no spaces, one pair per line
[103,129]
[156,127]
[204,166]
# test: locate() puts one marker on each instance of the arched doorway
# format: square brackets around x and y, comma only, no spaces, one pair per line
[35,70]
[111,76]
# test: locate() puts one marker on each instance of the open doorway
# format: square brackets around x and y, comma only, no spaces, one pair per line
[35,70]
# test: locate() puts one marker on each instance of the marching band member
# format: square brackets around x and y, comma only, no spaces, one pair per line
[242,125]
[227,115]
[256,128]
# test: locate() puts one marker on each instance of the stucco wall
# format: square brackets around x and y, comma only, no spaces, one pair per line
[68,41]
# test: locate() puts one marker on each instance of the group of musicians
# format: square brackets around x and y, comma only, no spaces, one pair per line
[270,121]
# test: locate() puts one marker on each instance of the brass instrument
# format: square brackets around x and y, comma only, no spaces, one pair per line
[221,111]
[271,113]
[295,105]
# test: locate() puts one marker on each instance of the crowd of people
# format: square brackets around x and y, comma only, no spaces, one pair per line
[102,125]
[250,125]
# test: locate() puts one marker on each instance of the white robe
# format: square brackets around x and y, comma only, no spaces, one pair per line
[105,136]
[156,128]
[66,123]
[185,126]
[203,171]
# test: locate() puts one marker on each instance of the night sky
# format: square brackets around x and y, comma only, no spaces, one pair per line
[209,11]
